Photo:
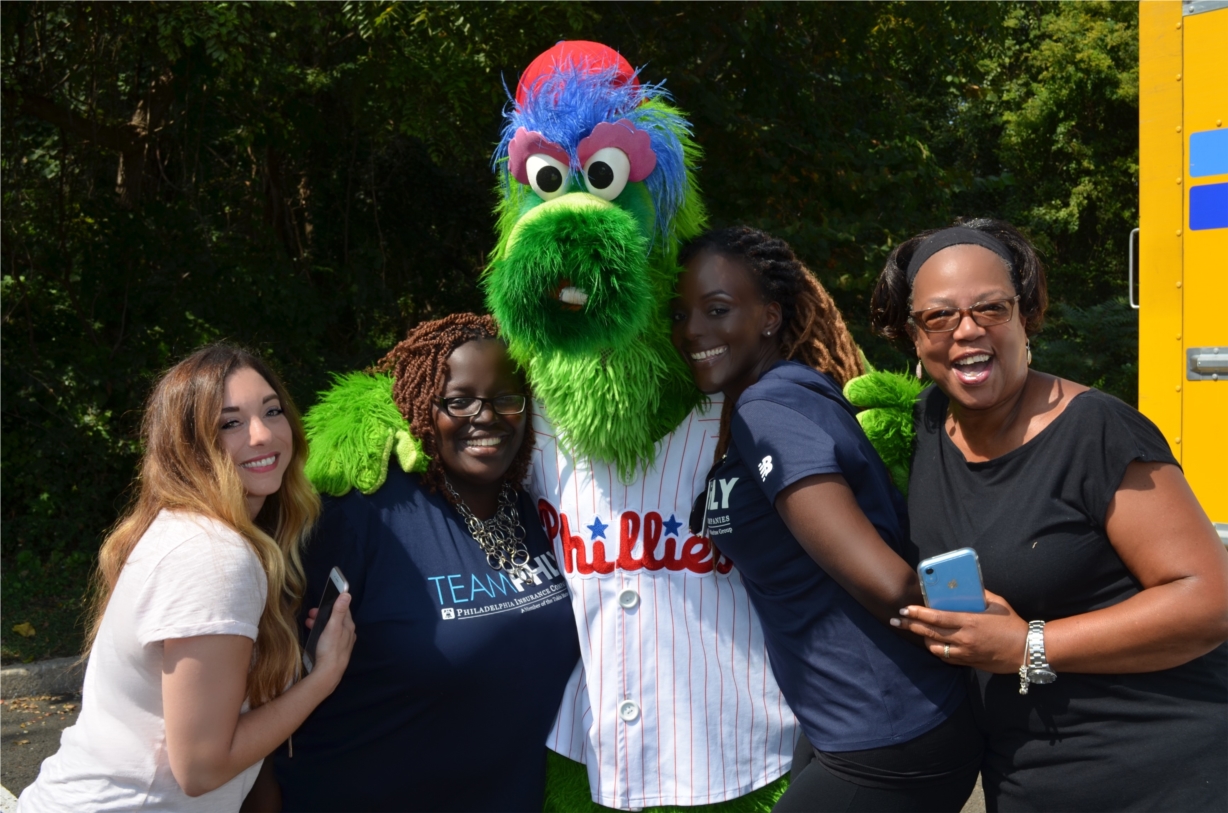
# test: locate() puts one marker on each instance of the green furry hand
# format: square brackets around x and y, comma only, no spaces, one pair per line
[887,401]
[353,433]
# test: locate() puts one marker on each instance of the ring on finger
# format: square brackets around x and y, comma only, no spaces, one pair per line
[946,650]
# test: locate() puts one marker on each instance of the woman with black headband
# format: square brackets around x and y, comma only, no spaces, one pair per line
[1101,669]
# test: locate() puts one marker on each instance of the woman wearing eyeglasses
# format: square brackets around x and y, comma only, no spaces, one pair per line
[467,635]
[1101,669]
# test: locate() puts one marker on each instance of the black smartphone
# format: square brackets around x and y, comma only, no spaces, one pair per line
[334,587]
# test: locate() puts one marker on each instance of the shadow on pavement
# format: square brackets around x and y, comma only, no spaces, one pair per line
[30,732]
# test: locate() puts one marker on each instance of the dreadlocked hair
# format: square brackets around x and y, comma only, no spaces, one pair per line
[419,367]
[812,328]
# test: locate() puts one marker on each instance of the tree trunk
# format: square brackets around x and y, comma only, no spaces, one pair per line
[132,140]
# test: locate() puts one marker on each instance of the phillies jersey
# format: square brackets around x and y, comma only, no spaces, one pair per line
[673,702]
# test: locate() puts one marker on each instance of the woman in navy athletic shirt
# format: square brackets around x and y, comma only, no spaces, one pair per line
[801,503]
[467,635]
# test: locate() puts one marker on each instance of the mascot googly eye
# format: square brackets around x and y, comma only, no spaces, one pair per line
[547,175]
[606,173]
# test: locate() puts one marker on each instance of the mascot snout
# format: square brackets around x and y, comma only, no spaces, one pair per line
[573,276]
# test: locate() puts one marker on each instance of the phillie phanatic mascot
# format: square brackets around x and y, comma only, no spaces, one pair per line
[673,703]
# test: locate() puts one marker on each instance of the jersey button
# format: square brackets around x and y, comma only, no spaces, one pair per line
[628,710]
[628,599]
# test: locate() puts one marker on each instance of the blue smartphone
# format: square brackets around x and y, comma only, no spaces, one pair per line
[952,582]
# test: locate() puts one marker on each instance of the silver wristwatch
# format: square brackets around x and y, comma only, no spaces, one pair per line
[1035,668]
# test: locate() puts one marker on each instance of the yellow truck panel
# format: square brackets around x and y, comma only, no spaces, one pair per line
[1183,257]
[1183,238]
[1204,409]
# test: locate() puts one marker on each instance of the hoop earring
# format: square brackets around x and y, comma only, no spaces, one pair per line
[918,369]
[1028,344]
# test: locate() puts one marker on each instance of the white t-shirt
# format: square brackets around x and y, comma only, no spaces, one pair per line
[187,576]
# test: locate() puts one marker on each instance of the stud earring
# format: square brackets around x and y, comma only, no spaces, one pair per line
[767,333]
[1028,344]
[918,369]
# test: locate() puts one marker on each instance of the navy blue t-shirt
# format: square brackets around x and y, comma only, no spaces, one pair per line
[457,673]
[853,684]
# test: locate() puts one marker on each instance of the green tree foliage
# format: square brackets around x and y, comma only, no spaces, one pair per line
[313,178]
[1058,104]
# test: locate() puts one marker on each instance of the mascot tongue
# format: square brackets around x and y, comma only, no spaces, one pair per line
[571,296]
[596,196]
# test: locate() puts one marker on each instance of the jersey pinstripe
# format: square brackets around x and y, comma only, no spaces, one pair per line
[665,626]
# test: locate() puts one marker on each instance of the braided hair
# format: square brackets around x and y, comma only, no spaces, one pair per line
[419,366]
[812,327]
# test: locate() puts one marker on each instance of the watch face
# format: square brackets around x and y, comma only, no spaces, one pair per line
[1037,674]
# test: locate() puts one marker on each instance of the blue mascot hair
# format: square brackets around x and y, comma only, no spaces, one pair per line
[568,104]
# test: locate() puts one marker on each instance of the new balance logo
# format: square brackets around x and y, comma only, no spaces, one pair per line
[765,467]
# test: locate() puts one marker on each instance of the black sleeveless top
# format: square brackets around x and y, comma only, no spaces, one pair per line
[1150,741]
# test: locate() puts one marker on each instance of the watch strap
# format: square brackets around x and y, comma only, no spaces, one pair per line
[1036,644]
[1033,654]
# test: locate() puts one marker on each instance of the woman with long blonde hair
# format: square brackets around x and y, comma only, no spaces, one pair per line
[193,646]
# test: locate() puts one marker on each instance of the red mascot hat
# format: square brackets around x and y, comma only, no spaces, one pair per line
[591,57]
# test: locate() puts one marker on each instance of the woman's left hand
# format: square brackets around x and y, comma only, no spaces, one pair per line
[993,640]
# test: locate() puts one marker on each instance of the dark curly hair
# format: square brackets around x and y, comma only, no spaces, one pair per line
[812,327]
[419,366]
[891,302]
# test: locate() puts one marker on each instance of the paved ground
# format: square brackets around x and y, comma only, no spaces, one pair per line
[976,803]
[29,733]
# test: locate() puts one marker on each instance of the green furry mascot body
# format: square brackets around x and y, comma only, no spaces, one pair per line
[597,192]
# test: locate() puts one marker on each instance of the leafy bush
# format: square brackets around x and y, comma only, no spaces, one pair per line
[1096,345]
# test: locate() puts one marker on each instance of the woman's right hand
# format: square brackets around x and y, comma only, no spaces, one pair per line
[336,641]
[993,640]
